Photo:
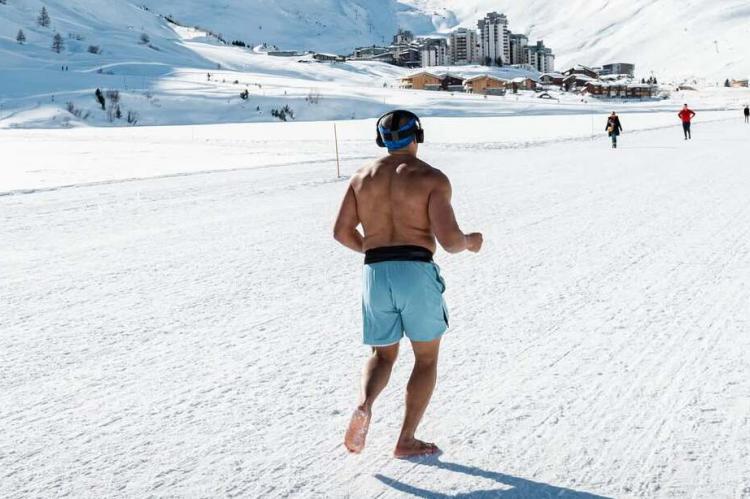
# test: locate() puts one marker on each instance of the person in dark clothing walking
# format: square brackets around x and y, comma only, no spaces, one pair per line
[614,128]
[747,114]
[686,115]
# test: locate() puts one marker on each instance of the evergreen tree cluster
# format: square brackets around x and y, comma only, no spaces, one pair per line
[283,113]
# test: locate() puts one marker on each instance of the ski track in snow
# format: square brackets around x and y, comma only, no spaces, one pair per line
[199,335]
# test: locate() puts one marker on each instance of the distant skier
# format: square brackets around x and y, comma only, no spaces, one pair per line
[747,114]
[614,128]
[686,115]
[403,205]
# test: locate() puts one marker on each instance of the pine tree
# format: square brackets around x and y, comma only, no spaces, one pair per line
[43,20]
[727,84]
[57,43]
[21,37]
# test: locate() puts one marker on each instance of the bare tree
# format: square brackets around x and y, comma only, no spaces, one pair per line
[113,111]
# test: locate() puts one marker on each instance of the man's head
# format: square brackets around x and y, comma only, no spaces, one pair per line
[400,131]
[614,113]
[686,106]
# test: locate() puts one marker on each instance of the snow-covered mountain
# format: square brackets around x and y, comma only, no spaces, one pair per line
[161,67]
[323,25]
[672,38]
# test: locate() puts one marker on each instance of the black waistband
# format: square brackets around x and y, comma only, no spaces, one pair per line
[398,254]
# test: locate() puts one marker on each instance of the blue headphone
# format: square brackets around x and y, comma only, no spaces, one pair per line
[394,137]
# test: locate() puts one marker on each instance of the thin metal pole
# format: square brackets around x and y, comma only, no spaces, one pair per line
[336,139]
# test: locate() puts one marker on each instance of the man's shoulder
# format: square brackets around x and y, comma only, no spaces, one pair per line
[430,171]
[366,170]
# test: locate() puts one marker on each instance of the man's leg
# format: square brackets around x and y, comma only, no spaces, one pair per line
[418,394]
[375,376]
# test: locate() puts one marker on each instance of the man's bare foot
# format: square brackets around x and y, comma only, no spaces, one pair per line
[354,440]
[414,448]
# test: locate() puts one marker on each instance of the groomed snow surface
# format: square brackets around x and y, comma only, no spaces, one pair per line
[180,323]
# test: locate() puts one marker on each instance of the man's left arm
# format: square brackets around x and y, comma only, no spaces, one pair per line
[345,230]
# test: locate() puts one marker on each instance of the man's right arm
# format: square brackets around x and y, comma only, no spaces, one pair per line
[443,220]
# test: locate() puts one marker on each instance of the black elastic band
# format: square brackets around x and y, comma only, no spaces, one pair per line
[398,254]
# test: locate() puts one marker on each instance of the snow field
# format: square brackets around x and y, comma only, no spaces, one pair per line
[199,335]
[107,155]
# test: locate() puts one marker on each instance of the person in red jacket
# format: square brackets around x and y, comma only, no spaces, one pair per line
[686,115]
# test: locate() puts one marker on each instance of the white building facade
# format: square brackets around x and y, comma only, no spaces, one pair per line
[518,46]
[492,45]
[494,39]
[464,47]
[541,57]
[434,52]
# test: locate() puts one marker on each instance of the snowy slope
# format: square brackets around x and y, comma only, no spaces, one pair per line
[323,25]
[672,38]
[165,80]
[115,27]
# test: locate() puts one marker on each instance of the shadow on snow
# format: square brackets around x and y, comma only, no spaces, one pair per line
[515,488]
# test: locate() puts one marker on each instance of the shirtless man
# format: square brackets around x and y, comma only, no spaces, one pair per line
[403,205]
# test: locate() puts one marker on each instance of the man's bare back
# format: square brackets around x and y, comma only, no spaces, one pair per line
[401,200]
[392,200]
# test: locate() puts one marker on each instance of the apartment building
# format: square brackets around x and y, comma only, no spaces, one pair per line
[494,40]
[540,57]
[464,47]
[518,46]
[619,68]
[434,52]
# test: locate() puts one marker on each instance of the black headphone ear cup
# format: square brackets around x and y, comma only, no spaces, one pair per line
[420,136]
[378,138]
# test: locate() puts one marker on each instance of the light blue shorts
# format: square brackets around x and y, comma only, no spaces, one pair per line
[403,297]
